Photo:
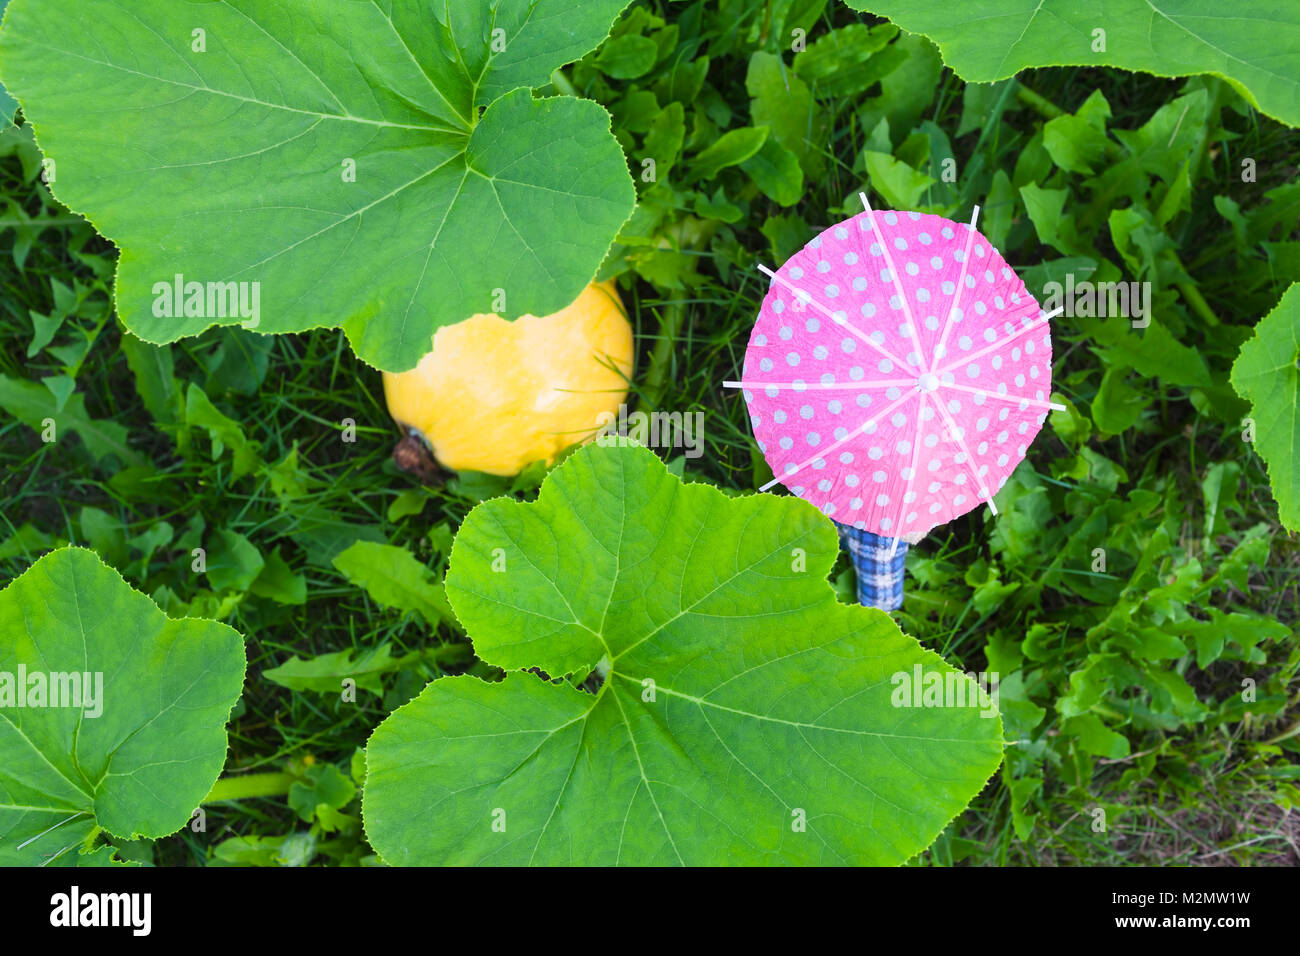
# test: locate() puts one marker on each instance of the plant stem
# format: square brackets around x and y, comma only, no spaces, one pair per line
[1039,104]
[1192,296]
[243,786]
[562,84]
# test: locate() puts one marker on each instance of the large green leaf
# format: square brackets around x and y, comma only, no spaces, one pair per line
[744,717]
[1255,47]
[1267,374]
[232,164]
[137,759]
[8,105]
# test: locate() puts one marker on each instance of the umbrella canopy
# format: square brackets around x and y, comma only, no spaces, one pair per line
[897,372]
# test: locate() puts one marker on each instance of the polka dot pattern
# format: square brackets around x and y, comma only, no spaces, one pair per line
[854,328]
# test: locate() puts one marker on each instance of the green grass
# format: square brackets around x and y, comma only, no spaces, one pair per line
[1206,789]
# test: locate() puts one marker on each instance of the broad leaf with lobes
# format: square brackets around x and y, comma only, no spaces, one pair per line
[376,164]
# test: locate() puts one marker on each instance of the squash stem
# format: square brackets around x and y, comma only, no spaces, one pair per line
[562,84]
[246,785]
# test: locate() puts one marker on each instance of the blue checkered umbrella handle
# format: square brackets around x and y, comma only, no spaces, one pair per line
[880,577]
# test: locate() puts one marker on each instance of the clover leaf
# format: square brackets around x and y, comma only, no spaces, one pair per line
[742,714]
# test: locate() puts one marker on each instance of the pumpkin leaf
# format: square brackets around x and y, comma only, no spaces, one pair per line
[399,131]
[1256,49]
[138,745]
[1267,374]
[743,714]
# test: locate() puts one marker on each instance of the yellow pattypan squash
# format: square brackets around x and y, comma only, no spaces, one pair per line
[494,396]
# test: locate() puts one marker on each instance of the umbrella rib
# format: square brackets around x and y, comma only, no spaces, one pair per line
[956,299]
[994,346]
[819,386]
[898,285]
[911,477]
[970,460]
[830,448]
[806,297]
[1006,398]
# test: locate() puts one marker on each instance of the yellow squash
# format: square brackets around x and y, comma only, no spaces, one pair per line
[494,396]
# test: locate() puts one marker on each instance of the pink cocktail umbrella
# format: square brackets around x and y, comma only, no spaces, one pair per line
[897,372]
